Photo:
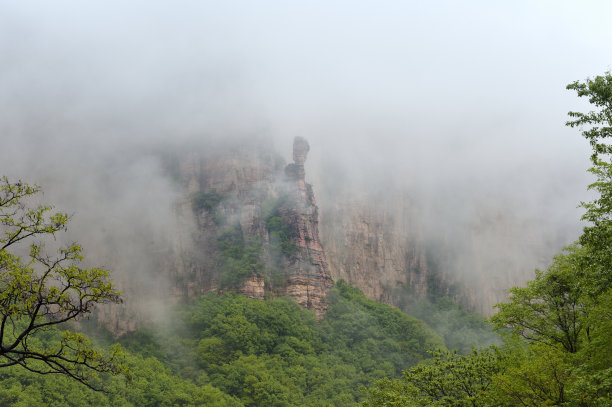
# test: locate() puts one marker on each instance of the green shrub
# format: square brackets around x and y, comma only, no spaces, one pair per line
[205,200]
[240,257]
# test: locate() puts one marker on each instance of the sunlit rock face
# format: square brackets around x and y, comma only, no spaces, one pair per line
[254,287]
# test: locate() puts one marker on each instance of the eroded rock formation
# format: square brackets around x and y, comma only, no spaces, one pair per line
[309,279]
[242,201]
[242,190]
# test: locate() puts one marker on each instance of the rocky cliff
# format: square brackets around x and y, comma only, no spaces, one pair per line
[270,210]
[248,223]
[385,244]
[376,246]
[308,273]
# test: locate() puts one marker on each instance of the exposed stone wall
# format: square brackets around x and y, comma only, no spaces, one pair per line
[309,279]
[382,244]
[247,178]
[254,287]
[376,241]
[374,246]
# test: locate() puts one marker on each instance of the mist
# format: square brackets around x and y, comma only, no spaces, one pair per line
[460,105]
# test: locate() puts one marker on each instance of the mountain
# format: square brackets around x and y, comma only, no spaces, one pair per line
[247,222]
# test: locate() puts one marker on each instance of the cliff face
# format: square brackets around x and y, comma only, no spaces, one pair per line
[383,244]
[270,209]
[375,247]
[308,276]
[231,183]
[248,223]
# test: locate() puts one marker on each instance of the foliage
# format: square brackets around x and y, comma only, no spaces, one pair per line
[44,290]
[564,313]
[460,329]
[240,257]
[273,352]
[391,393]
[596,127]
[279,230]
[550,308]
[593,363]
[567,359]
[281,248]
[280,233]
[599,92]
[535,375]
[360,322]
[205,200]
[449,379]
[232,350]
[153,385]
[558,351]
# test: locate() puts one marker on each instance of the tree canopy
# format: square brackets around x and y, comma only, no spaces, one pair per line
[558,351]
[596,127]
[41,289]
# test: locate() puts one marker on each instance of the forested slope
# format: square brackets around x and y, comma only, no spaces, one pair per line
[232,350]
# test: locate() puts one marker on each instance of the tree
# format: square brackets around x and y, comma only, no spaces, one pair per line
[533,376]
[559,353]
[551,308]
[594,382]
[390,393]
[599,92]
[596,127]
[448,379]
[40,291]
[565,312]
[456,380]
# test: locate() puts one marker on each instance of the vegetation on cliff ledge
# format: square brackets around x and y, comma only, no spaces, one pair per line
[205,200]
[240,257]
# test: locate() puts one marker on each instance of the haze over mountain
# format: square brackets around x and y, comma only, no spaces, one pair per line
[456,109]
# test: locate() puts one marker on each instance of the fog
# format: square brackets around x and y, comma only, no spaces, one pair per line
[462,104]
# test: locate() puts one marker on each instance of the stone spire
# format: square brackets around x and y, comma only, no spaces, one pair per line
[300,150]
[308,279]
[295,171]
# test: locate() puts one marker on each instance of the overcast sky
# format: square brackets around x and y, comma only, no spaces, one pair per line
[438,93]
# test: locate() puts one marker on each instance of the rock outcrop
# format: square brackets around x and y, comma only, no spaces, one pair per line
[248,223]
[309,279]
[242,190]
[381,244]
[376,246]
[254,287]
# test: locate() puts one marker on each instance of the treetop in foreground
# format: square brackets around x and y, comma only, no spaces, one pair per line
[41,289]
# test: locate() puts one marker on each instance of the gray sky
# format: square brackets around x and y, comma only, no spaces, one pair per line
[461,98]
[472,76]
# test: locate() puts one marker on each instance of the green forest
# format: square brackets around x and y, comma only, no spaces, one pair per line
[557,328]
[232,350]
[551,346]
